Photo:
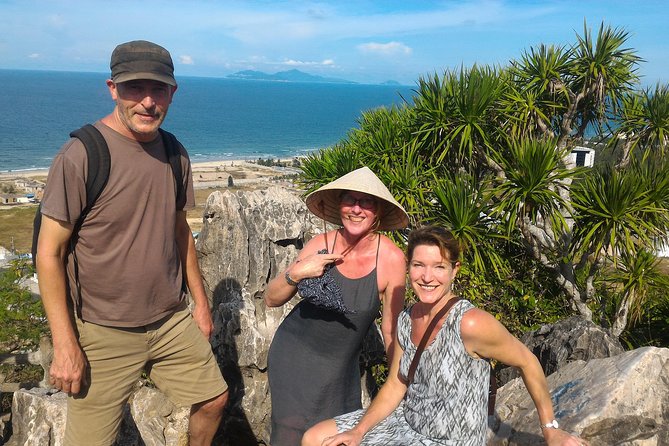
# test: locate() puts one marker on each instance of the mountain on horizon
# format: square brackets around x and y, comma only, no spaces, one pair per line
[286,76]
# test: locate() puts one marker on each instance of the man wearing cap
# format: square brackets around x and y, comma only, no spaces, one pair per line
[115,302]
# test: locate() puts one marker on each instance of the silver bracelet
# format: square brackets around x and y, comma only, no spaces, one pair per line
[290,281]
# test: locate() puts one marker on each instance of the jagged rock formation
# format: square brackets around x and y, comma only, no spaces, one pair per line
[38,418]
[565,341]
[622,401]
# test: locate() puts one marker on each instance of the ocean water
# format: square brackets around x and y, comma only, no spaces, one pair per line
[215,118]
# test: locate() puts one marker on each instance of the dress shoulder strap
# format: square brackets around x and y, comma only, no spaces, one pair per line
[378,246]
[333,243]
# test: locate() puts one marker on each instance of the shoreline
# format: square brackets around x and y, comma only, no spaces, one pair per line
[206,174]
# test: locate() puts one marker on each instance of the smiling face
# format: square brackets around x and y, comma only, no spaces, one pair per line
[358,211]
[431,273]
[141,107]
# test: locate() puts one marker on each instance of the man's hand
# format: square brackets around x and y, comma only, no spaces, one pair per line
[68,369]
[202,317]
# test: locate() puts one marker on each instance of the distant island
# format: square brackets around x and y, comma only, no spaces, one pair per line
[292,76]
[286,76]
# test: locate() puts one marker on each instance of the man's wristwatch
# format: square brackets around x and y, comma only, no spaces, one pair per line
[290,281]
[552,425]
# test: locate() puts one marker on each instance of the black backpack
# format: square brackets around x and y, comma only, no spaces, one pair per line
[99,162]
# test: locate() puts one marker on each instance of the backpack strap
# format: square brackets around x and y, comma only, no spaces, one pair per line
[173,150]
[99,165]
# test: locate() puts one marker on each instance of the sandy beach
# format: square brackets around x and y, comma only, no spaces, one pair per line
[206,175]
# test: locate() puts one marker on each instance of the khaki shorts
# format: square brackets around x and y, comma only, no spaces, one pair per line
[172,351]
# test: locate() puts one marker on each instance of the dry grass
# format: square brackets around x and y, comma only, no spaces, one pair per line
[16,225]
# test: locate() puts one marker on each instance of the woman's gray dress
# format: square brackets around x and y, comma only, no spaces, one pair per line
[313,362]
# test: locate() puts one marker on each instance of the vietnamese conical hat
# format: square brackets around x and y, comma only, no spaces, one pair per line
[324,202]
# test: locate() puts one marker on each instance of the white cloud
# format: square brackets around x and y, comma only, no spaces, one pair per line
[301,63]
[385,49]
[34,56]
[186,60]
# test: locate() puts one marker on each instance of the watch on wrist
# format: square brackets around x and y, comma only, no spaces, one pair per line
[552,425]
[290,281]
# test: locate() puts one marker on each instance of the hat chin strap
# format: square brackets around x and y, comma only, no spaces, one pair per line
[352,246]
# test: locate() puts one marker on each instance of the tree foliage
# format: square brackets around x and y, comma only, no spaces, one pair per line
[486,152]
[22,318]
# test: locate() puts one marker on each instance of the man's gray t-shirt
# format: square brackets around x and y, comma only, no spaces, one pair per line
[129,266]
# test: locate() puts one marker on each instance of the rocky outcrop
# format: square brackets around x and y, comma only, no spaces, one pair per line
[568,340]
[39,416]
[246,239]
[622,400]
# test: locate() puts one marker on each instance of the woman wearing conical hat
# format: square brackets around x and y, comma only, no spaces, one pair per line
[344,276]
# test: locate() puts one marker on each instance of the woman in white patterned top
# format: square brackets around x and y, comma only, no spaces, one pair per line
[446,402]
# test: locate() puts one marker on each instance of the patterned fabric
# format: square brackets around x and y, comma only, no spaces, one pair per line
[323,290]
[446,403]
[392,431]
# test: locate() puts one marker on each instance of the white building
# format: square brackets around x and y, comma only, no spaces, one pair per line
[583,156]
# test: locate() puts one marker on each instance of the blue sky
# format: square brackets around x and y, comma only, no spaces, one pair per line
[364,41]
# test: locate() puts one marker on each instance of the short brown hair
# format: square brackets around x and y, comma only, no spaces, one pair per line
[434,236]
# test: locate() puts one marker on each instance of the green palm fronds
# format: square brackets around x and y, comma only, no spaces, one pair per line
[457,113]
[408,179]
[461,205]
[319,168]
[604,68]
[615,213]
[534,176]
[638,277]
[643,121]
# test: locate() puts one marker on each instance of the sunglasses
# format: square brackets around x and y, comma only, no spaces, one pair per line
[364,202]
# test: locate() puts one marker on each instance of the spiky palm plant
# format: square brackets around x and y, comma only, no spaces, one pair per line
[456,115]
[643,121]
[462,205]
[326,165]
[480,147]
[615,213]
[529,194]
[638,279]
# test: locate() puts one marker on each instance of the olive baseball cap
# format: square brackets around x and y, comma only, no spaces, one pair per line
[140,59]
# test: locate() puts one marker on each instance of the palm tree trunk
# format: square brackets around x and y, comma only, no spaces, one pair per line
[620,322]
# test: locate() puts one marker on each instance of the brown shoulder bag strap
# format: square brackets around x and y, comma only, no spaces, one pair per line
[426,336]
